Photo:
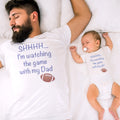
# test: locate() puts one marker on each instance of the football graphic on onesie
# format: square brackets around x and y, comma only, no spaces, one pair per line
[47,77]
[104,70]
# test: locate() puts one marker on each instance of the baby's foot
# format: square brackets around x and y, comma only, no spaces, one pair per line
[100,116]
[114,113]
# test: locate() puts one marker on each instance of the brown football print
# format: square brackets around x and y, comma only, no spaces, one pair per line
[104,70]
[47,77]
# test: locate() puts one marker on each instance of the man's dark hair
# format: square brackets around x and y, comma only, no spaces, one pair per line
[28,5]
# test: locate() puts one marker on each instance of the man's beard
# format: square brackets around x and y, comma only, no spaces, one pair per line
[24,32]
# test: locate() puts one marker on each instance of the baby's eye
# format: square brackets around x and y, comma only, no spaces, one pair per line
[82,44]
[87,42]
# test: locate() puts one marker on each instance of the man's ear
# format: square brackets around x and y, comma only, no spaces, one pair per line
[34,16]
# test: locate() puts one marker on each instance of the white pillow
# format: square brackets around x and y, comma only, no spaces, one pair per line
[66,11]
[50,16]
[5,30]
[105,14]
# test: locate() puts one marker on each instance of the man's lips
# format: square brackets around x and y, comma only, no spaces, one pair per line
[15,28]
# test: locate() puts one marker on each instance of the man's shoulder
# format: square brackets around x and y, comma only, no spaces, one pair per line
[56,32]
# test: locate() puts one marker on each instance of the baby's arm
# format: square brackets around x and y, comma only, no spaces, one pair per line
[77,58]
[108,40]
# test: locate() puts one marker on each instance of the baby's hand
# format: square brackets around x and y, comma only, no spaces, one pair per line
[105,35]
[73,48]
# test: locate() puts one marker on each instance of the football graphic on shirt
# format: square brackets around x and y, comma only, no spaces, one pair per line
[47,77]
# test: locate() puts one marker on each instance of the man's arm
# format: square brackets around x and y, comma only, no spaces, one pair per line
[81,18]
[108,40]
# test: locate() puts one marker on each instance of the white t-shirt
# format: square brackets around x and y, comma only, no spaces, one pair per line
[28,62]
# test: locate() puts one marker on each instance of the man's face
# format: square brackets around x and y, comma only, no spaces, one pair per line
[21,25]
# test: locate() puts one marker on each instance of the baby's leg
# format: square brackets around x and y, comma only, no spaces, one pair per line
[92,95]
[116,100]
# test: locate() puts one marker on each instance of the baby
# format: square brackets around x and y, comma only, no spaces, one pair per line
[101,82]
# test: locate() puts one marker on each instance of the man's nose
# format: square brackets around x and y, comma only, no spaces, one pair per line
[12,22]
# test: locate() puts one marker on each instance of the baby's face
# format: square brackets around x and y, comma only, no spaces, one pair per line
[89,44]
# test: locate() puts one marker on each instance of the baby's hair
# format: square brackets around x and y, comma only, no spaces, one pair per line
[94,33]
